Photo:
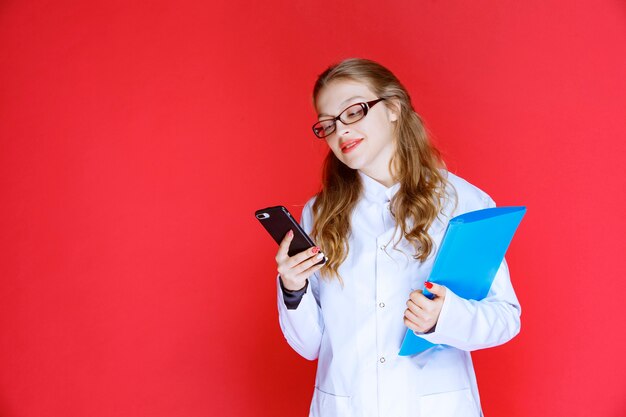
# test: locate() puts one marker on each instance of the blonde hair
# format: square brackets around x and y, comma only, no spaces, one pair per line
[415,165]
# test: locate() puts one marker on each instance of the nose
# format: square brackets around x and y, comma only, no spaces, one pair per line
[341,129]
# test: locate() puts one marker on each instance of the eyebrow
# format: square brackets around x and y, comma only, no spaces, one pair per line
[343,103]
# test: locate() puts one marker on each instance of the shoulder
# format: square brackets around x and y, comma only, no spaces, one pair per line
[464,196]
[308,207]
[306,220]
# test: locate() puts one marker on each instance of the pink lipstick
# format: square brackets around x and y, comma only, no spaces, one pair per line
[350,145]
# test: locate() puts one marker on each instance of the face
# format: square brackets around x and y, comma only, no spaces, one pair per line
[366,145]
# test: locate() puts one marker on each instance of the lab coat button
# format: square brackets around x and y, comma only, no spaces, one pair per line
[381,305]
[383,247]
[382,359]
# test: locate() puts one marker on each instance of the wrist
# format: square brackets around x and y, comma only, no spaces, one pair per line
[289,286]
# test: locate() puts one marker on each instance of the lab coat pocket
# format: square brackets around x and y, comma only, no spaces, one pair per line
[449,404]
[325,404]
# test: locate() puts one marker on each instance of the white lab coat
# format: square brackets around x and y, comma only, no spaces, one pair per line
[356,331]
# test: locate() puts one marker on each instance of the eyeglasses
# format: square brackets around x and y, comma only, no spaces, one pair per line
[350,115]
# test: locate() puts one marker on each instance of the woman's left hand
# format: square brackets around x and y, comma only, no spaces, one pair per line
[422,312]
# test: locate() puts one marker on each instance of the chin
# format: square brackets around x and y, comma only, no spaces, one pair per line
[351,164]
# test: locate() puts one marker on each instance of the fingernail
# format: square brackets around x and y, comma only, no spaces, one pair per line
[315,250]
[290,233]
[428,285]
[320,256]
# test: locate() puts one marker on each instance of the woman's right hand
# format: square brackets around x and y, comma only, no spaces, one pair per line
[295,270]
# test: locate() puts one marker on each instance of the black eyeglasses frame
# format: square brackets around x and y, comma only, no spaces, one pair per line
[365,106]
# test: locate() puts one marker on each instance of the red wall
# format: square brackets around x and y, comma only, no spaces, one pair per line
[136,141]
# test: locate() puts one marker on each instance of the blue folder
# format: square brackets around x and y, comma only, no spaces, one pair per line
[469,257]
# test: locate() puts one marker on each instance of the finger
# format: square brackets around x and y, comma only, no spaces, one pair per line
[415,327]
[308,272]
[415,294]
[298,258]
[408,314]
[438,290]
[283,248]
[416,309]
[419,323]
[308,263]
[420,299]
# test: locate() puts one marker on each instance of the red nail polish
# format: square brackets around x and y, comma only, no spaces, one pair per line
[428,285]
[290,233]
[315,250]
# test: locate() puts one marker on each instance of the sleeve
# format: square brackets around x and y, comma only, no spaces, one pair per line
[304,325]
[470,325]
[292,298]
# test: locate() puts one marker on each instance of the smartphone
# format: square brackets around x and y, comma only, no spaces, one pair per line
[278,221]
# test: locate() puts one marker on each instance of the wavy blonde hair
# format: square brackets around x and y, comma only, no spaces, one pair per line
[415,165]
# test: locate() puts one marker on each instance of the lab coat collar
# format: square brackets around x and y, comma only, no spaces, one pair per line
[376,192]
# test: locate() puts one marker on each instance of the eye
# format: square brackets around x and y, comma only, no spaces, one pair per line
[354,112]
[324,127]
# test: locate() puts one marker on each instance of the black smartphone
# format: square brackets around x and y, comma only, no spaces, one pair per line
[278,221]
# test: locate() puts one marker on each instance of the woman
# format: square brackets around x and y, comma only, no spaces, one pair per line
[382,212]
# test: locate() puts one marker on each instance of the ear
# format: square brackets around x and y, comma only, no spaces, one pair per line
[393,109]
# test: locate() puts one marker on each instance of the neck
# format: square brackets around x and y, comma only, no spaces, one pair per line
[385,177]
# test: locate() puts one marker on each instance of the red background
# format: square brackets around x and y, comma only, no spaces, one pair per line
[136,141]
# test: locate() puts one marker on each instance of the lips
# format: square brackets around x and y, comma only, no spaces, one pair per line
[350,145]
